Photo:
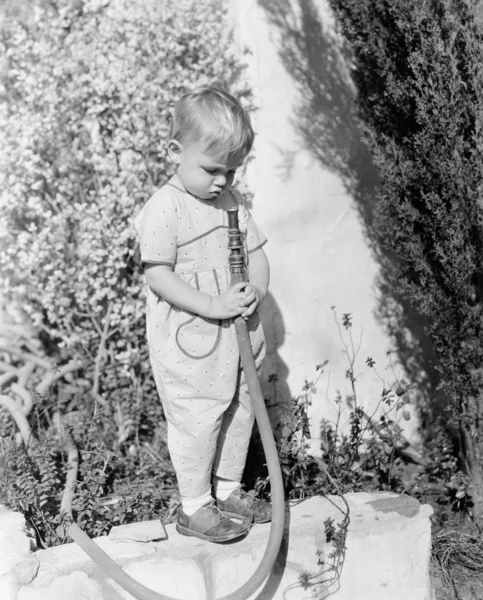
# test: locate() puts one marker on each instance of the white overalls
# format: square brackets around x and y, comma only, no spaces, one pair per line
[195,360]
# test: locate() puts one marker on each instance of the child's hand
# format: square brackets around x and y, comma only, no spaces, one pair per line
[252,299]
[228,305]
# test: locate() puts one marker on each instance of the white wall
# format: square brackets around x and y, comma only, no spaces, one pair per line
[317,250]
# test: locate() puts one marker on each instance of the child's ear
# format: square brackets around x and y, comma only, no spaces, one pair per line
[175,150]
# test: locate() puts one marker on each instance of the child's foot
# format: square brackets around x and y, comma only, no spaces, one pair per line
[240,504]
[209,524]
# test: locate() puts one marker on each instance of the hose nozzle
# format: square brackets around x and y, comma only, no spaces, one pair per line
[236,259]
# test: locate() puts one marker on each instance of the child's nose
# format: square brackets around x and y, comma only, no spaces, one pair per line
[220,180]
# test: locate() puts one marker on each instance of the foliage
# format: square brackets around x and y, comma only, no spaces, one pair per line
[117,483]
[372,454]
[369,455]
[418,71]
[442,482]
[86,92]
[88,87]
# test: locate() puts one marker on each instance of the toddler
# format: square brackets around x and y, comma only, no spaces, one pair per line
[190,311]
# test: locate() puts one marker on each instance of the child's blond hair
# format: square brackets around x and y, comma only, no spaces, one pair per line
[211,115]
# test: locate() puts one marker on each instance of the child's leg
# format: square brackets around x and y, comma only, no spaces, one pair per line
[196,492]
[193,429]
[230,460]
[233,440]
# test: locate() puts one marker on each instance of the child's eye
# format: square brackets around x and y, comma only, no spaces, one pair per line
[211,171]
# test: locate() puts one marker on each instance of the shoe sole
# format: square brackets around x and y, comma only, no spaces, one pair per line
[209,538]
[232,515]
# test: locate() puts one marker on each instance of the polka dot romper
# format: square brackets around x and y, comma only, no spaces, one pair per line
[195,360]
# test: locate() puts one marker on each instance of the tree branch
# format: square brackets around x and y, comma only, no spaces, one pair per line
[56,373]
[72,467]
[17,415]
[100,356]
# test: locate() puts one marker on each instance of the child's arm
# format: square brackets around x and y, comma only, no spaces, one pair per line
[259,278]
[170,287]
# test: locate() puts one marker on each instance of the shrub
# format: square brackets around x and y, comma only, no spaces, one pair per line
[117,483]
[418,73]
[367,455]
[87,92]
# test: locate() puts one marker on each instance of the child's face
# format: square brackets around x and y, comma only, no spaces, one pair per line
[205,174]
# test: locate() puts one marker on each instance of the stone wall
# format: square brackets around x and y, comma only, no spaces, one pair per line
[386,557]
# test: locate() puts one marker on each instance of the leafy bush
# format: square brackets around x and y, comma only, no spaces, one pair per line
[86,91]
[367,455]
[117,483]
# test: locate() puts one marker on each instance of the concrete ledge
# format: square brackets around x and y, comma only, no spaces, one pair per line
[387,557]
[18,566]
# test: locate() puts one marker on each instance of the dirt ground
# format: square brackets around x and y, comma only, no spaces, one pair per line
[464,584]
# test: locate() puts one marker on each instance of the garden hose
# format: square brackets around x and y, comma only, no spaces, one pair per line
[113,570]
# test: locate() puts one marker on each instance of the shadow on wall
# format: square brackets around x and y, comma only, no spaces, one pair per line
[325,119]
[274,383]
[275,389]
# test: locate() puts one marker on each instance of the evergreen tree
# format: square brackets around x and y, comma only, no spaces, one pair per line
[418,69]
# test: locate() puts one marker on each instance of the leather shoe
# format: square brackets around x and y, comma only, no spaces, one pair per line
[239,504]
[209,524]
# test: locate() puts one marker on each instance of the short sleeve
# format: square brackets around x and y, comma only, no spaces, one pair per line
[157,228]
[254,237]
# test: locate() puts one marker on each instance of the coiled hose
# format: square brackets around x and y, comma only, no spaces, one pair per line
[114,571]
